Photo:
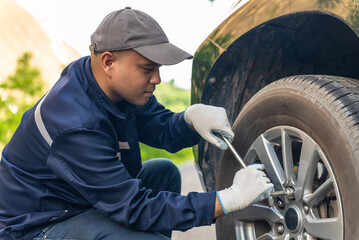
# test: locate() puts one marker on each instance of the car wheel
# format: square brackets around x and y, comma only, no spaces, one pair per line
[305,130]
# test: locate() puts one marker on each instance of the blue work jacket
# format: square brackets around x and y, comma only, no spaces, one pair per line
[75,150]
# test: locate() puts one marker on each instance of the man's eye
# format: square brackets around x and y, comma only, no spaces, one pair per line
[148,70]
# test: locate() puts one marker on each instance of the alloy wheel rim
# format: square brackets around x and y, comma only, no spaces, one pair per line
[293,160]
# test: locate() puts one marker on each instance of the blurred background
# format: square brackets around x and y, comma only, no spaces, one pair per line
[38,38]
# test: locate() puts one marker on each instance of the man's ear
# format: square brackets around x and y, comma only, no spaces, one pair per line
[107,60]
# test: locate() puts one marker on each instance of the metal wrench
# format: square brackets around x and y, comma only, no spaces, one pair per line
[240,160]
[235,153]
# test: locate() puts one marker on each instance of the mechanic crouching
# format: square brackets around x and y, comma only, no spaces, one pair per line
[73,170]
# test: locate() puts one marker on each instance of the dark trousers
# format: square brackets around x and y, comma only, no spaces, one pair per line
[156,174]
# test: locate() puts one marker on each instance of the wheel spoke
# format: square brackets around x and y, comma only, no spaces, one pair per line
[245,231]
[267,236]
[307,167]
[287,154]
[267,155]
[314,199]
[259,212]
[308,237]
[327,228]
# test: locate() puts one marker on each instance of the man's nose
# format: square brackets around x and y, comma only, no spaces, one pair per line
[156,78]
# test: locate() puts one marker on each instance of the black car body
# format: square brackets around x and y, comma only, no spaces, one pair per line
[286,69]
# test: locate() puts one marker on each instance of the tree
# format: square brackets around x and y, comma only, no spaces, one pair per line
[18,92]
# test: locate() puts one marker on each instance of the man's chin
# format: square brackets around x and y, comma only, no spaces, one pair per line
[140,103]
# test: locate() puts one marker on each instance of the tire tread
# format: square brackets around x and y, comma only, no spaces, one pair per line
[339,95]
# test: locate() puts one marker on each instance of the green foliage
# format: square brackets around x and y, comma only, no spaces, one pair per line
[18,92]
[26,78]
[175,99]
[148,153]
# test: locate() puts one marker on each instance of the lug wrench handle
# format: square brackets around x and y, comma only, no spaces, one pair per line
[234,152]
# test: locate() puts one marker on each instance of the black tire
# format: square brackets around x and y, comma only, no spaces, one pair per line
[324,108]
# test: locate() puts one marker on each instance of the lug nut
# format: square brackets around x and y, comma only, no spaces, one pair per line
[306,209]
[280,228]
[280,204]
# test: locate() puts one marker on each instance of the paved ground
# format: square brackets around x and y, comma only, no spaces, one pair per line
[191,183]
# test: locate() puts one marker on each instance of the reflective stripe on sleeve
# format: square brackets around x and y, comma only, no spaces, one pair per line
[40,124]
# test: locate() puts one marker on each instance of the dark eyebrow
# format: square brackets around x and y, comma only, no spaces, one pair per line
[150,64]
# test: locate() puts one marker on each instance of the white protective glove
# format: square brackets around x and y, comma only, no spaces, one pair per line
[250,185]
[207,120]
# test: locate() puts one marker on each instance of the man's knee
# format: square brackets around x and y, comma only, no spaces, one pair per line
[161,174]
[166,165]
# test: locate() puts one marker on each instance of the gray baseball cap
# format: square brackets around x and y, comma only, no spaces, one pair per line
[132,29]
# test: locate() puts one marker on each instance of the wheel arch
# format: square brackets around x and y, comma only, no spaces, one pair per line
[311,42]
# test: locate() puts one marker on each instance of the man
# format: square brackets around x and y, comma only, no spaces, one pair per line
[73,169]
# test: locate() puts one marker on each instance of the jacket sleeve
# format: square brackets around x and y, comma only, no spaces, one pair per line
[87,161]
[159,127]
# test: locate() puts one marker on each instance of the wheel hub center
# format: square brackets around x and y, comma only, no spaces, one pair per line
[292,219]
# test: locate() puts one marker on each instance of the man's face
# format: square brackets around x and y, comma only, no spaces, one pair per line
[134,78]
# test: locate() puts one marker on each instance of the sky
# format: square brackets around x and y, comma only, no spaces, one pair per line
[186,23]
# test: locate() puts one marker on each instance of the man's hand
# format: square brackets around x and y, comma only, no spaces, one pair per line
[250,185]
[207,120]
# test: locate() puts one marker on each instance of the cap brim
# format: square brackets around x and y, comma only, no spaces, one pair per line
[164,54]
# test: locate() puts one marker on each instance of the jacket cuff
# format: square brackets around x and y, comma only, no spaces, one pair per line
[205,208]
